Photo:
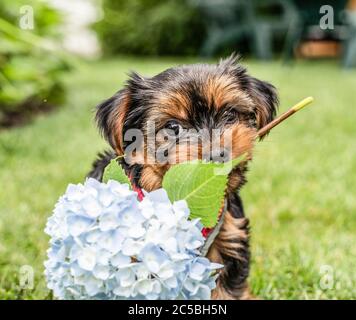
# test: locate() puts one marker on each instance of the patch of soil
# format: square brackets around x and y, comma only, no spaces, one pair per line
[30,108]
[24,113]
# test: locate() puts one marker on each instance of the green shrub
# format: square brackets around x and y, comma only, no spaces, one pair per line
[152,27]
[30,67]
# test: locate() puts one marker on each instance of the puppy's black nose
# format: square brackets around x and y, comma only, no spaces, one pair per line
[220,155]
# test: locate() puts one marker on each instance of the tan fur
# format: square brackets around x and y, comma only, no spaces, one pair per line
[243,139]
[151,177]
[223,89]
[262,116]
[172,104]
[219,90]
[220,293]
[228,243]
[231,230]
[119,117]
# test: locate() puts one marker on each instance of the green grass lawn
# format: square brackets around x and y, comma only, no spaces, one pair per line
[301,195]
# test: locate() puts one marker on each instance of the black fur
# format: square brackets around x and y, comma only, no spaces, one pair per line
[237,270]
[104,117]
[104,159]
[100,163]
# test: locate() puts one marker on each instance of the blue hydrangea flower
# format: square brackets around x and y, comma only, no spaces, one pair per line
[105,244]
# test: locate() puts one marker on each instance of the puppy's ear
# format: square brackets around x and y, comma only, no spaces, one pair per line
[266,100]
[110,117]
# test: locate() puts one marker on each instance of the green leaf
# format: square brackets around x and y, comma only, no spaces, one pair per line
[202,185]
[114,171]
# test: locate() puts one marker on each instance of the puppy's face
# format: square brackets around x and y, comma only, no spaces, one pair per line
[188,112]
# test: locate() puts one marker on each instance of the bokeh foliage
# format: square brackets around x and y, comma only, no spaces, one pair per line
[151,27]
[30,64]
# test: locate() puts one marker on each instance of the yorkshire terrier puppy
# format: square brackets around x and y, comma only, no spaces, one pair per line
[182,101]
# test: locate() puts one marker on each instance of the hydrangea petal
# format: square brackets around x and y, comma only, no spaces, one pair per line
[101,272]
[120,260]
[87,259]
[78,224]
[153,257]
[91,207]
[74,192]
[108,221]
[106,197]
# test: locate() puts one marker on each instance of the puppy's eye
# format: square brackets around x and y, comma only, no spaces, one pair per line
[231,116]
[252,119]
[174,126]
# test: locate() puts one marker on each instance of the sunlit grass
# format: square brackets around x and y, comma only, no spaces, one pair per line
[300,197]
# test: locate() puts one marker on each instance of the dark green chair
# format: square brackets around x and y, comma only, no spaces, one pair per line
[226,21]
[269,19]
[231,21]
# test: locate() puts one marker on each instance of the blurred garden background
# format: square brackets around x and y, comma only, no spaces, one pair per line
[60,58]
